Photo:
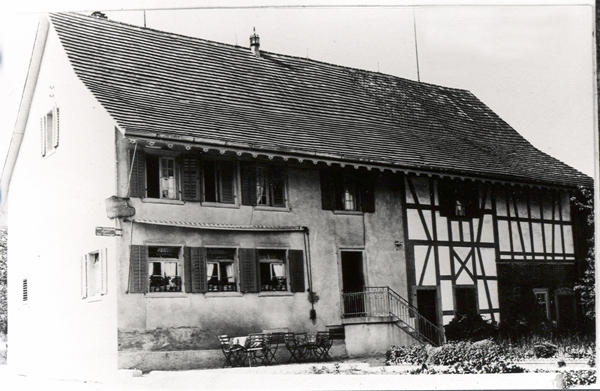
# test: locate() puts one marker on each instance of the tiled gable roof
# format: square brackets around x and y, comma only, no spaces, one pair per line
[158,84]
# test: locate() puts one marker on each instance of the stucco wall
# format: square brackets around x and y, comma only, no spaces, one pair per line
[212,314]
[54,204]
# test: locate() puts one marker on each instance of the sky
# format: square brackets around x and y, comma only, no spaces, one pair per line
[532,65]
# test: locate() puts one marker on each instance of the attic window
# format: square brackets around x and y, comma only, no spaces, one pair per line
[49,131]
[459,199]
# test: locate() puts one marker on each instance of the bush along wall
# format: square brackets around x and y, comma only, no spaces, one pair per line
[455,357]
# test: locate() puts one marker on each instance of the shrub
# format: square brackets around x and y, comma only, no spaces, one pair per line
[469,327]
[545,350]
[459,357]
[579,378]
[413,355]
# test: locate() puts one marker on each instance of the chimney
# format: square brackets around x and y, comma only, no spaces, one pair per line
[99,15]
[255,43]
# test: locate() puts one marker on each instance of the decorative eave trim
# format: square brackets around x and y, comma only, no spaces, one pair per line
[220,227]
[222,147]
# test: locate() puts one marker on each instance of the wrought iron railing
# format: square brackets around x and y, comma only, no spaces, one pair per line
[384,301]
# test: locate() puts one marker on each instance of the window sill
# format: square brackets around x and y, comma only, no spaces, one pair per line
[94,299]
[272,208]
[223,294]
[348,212]
[275,293]
[162,201]
[161,295]
[220,205]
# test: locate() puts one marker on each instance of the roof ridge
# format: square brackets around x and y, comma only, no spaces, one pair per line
[306,59]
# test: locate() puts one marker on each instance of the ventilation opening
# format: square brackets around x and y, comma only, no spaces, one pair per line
[25,290]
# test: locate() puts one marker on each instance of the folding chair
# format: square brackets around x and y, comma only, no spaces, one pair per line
[272,341]
[295,347]
[256,349]
[323,343]
[234,355]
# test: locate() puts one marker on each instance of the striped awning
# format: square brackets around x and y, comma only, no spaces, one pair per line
[221,227]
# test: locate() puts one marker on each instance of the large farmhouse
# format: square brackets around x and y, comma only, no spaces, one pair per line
[167,189]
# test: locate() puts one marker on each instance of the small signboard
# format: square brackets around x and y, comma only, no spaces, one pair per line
[108,231]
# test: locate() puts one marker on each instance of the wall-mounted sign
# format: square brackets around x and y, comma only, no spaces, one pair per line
[108,231]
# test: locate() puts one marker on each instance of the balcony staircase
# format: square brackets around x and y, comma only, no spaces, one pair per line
[385,303]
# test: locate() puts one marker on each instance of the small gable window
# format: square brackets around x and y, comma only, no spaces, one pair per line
[263,185]
[219,181]
[458,199]
[161,179]
[347,190]
[49,131]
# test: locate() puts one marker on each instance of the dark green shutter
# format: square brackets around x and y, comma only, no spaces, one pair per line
[227,178]
[138,269]
[137,183]
[327,189]
[248,176]
[367,196]
[198,269]
[248,270]
[296,265]
[190,178]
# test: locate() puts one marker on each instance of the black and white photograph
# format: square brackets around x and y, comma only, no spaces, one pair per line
[306,195]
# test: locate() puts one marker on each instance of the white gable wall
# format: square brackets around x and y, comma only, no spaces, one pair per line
[54,203]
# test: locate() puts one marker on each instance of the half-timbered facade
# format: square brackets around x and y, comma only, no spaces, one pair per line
[211,189]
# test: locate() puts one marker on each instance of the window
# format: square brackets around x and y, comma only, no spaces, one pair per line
[272,271]
[25,296]
[49,131]
[93,274]
[270,186]
[542,302]
[347,190]
[220,270]
[164,269]
[466,300]
[458,199]
[161,180]
[219,181]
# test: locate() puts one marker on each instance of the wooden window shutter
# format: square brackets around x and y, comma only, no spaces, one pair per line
[198,269]
[43,135]
[103,271]
[138,269]
[248,174]
[190,178]
[367,196]
[278,182]
[227,176]
[55,127]
[187,269]
[83,267]
[248,270]
[296,265]
[327,189]
[137,183]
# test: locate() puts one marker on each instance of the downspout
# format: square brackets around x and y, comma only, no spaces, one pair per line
[33,72]
[313,312]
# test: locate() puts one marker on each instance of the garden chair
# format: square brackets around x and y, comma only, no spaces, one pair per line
[295,346]
[273,340]
[323,343]
[234,355]
[257,349]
